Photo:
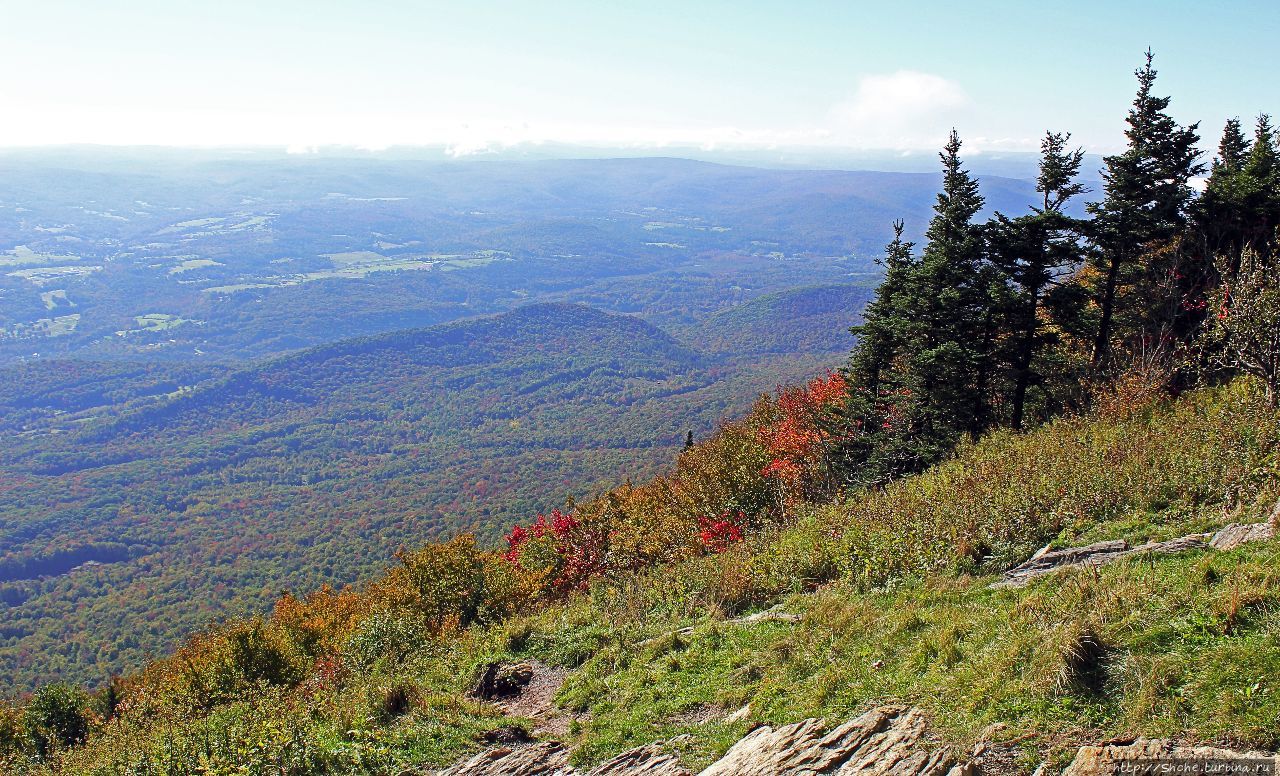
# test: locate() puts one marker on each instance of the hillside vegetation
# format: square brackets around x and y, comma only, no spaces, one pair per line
[205,492]
[894,599]
[1020,384]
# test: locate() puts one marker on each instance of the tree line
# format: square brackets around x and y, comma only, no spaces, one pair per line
[1013,320]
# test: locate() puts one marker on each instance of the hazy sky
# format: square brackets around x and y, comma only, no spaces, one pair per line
[469,73]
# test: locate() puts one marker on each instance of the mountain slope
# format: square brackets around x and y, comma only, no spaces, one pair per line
[879,597]
[809,319]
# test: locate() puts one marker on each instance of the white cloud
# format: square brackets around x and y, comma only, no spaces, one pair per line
[906,109]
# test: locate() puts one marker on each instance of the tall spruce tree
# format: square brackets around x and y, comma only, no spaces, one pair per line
[885,321]
[926,343]
[1147,190]
[871,448]
[1033,252]
[1261,171]
[951,301]
[1220,213]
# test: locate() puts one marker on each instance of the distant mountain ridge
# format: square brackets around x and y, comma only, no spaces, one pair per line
[244,257]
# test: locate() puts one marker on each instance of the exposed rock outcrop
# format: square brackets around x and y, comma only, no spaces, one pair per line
[887,740]
[545,759]
[651,760]
[1106,760]
[1098,554]
[1237,534]
[551,758]
[882,741]
[1046,561]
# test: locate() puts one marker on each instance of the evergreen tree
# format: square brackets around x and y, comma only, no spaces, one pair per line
[925,346]
[1032,252]
[952,312]
[1147,190]
[870,450]
[1233,148]
[885,321]
[1220,211]
[1261,172]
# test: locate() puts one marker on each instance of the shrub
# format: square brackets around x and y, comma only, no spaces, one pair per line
[56,718]
[317,622]
[453,584]
[795,434]
[384,638]
[563,549]
[718,533]
[1243,333]
[213,668]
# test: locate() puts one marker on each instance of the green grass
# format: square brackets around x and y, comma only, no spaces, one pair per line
[1190,647]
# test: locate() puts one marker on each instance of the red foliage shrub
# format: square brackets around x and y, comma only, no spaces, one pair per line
[580,549]
[795,437]
[718,533]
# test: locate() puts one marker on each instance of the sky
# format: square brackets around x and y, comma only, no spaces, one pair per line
[475,75]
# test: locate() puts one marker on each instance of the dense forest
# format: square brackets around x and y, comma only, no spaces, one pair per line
[1032,378]
[197,492]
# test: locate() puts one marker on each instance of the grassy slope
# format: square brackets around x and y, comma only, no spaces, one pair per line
[894,589]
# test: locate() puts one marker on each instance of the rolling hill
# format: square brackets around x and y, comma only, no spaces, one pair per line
[245,256]
[170,496]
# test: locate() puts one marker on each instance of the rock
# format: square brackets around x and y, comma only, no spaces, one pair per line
[882,741]
[887,740]
[1181,544]
[1094,555]
[739,715]
[551,758]
[502,680]
[1103,760]
[1044,562]
[545,759]
[651,760]
[1236,534]
[767,616]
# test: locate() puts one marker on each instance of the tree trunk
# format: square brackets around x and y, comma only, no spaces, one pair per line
[1102,345]
[1026,350]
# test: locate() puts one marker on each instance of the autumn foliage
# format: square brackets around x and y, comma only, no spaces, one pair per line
[717,534]
[798,433]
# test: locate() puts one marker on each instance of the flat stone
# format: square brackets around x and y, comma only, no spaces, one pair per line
[739,715]
[1236,534]
[550,758]
[651,760]
[1045,562]
[1095,555]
